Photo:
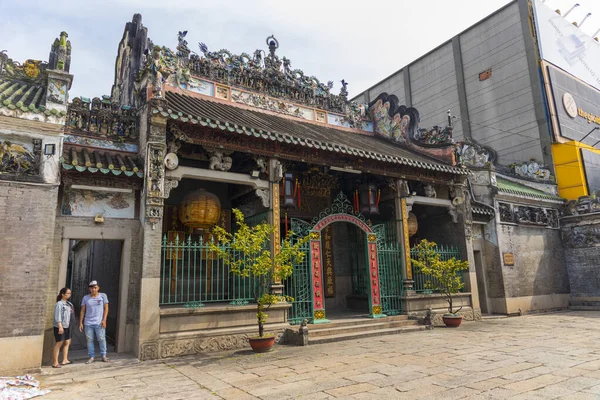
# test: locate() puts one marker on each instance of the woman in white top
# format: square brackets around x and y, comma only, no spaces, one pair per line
[63,311]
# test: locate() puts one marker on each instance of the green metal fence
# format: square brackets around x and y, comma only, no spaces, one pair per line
[256,219]
[298,286]
[421,280]
[390,277]
[193,274]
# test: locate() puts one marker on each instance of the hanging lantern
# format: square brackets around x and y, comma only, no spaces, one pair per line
[291,190]
[413,224]
[199,210]
[369,197]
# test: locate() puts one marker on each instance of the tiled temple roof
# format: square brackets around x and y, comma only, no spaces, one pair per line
[95,160]
[259,124]
[483,211]
[514,188]
[28,96]
[23,86]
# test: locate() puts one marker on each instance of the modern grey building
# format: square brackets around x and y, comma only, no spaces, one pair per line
[492,78]
[522,85]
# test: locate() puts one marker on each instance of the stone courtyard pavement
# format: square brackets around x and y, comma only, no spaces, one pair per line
[542,356]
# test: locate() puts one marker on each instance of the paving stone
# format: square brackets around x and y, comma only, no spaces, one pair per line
[580,396]
[530,357]
[593,389]
[553,391]
[235,394]
[534,383]
[351,389]
[366,377]
[421,392]
[487,384]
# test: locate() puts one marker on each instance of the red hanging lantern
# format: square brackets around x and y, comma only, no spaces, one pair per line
[289,190]
[369,199]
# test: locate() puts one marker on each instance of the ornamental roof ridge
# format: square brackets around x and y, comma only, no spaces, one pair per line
[102,118]
[37,88]
[260,72]
[30,71]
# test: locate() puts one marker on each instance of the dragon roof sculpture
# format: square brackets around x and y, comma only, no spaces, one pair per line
[261,72]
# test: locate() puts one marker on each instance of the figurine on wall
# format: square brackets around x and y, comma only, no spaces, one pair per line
[430,191]
[219,162]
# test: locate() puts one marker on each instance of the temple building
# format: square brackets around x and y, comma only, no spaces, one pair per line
[523,88]
[125,189]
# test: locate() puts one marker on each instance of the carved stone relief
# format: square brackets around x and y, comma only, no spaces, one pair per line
[261,164]
[584,205]
[170,184]
[472,154]
[155,182]
[528,215]
[532,170]
[506,213]
[430,191]
[582,236]
[276,172]
[18,159]
[454,215]
[263,194]
[174,348]
[149,351]
[219,161]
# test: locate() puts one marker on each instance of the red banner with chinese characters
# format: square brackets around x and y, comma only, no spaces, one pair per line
[328,262]
[315,251]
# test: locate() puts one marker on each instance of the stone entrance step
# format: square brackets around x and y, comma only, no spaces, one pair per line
[585,307]
[357,328]
[584,304]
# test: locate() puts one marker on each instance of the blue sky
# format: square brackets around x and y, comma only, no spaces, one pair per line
[359,42]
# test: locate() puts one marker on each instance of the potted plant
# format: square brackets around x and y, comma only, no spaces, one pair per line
[445,276]
[247,254]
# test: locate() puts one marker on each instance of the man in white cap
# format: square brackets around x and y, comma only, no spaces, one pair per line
[92,319]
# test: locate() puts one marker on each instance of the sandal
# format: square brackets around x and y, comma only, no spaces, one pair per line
[91,360]
[105,359]
[56,366]
[67,363]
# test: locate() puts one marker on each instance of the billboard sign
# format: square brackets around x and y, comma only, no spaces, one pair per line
[574,105]
[566,46]
[591,165]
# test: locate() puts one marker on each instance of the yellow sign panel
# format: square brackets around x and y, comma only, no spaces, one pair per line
[509,259]
[406,240]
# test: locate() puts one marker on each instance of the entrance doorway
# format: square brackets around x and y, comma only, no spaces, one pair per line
[481,284]
[345,270]
[98,260]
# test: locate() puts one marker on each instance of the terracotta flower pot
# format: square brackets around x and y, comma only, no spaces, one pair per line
[452,320]
[262,345]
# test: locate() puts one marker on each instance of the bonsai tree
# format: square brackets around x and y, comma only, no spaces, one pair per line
[247,254]
[445,274]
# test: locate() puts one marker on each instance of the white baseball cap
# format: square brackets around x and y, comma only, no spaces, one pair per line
[93,283]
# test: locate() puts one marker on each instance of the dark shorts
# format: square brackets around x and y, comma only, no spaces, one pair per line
[65,336]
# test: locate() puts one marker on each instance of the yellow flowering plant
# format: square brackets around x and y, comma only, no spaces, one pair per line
[445,274]
[247,254]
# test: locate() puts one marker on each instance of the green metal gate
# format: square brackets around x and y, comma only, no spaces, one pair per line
[298,285]
[390,263]
[391,283]
[359,262]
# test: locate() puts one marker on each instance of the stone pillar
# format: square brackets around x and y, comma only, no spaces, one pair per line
[460,190]
[152,204]
[275,176]
[402,210]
